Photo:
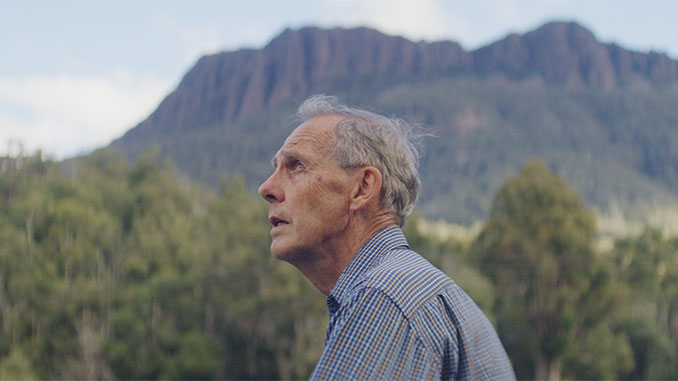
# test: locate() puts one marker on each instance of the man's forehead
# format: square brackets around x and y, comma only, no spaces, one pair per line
[319,127]
[314,134]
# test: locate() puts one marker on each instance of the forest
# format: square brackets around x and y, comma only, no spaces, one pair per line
[119,270]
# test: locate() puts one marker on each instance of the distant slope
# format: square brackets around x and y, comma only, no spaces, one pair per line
[604,117]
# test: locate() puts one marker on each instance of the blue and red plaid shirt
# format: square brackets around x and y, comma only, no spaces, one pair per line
[393,315]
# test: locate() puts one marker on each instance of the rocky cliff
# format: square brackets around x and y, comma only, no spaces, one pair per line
[602,116]
[566,54]
[226,86]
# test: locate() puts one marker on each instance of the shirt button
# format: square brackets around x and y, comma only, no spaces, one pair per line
[332,304]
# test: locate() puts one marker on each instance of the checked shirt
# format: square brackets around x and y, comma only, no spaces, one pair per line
[393,315]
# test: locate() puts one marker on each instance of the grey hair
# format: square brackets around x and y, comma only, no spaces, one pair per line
[365,138]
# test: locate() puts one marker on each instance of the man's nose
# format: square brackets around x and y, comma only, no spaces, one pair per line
[270,190]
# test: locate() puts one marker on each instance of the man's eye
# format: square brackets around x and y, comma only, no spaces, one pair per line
[298,166]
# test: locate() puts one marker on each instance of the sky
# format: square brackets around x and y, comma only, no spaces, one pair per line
[75,75]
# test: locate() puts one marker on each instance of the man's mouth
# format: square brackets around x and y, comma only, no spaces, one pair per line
[275,221]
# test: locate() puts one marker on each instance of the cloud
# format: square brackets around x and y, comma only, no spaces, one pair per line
[422,19]
[65,114]
[194,40]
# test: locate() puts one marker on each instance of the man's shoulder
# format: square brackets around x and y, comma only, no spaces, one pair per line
[406,278]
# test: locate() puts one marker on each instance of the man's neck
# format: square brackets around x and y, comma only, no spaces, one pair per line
[325,267]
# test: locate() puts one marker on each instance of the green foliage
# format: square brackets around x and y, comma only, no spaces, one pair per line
[115,271]
[648,264]
[559,303]
[16,366]
[537,248]
[602,354]
[111,270]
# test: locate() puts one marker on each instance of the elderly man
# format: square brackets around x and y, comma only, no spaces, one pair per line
[344,182]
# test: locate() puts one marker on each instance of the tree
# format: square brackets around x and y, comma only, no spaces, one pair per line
[648,265]
[537,249]
[110,270]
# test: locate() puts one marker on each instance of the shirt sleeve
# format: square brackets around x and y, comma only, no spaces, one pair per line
[372,339]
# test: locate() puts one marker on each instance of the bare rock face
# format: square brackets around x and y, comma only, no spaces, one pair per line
[566,54]
[227,86]
[630,67]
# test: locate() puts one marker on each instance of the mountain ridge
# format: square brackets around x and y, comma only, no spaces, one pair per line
[601,115]
[310,60]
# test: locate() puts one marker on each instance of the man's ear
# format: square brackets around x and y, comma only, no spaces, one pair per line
[367,188]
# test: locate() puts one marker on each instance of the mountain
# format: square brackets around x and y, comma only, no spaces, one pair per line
[566,54]
[227,86]
[604,117]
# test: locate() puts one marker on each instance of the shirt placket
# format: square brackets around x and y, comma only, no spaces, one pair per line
[333,307]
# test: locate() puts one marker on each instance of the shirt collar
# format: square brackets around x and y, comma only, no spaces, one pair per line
[382,242]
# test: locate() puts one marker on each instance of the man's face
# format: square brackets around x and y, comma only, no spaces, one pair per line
[308,194]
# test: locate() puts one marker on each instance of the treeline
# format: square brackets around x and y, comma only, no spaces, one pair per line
[114,270]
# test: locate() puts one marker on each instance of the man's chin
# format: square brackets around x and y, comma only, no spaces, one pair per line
[279,252]
[278,256]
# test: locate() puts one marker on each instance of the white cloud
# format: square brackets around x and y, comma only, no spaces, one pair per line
[192,40]
[65,115]
[422,19]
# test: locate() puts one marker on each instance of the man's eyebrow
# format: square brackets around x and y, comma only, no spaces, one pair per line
[285,155]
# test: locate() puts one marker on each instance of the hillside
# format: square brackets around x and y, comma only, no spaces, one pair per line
[604,117]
